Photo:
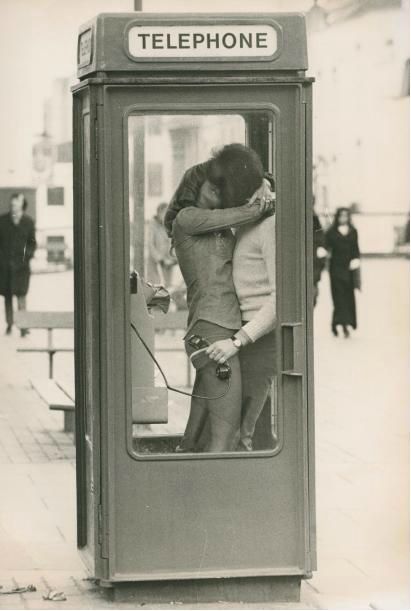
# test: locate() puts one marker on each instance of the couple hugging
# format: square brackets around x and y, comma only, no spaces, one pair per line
[230,279]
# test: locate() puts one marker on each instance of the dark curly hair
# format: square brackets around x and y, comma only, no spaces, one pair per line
[338,214]
[241,173]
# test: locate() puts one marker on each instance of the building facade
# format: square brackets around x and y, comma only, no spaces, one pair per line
[359,55]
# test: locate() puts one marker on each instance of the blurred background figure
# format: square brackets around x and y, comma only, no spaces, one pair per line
[17,247]
[320,253]
[160,262]
[407,231]
[342,243]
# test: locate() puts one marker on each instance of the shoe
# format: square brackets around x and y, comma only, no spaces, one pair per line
[184,448]
[334,330]
[245,445]
[179,450]
[346,332]
[8,330]
[24,332]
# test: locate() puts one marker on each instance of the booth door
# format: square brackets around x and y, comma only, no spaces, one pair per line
[170,514]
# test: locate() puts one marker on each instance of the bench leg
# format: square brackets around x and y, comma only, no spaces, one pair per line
[51,355]
[69,423]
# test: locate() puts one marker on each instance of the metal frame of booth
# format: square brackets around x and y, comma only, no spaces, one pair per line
[112,86]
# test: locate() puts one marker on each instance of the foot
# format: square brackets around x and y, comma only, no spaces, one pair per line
[24,332]
[8,329]
[346,332]
[245,445]
[334,331]
[184,446]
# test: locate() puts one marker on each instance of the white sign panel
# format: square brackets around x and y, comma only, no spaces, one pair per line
[85,48]
[202,41]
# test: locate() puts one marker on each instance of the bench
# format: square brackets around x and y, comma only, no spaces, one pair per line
[49,389]
[48,321]
[65,320]
[57,397]
[57,394]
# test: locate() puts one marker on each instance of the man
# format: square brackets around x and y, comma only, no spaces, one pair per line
[17,247]
[254,277]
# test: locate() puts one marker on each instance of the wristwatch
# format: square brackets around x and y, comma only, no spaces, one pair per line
[237,342]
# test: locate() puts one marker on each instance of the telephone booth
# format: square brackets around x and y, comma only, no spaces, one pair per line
[158,94]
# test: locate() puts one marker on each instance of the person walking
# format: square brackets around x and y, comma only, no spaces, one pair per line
[342,244]
[17,247]
[160,262]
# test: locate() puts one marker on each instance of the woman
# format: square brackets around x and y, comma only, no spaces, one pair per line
[342,243]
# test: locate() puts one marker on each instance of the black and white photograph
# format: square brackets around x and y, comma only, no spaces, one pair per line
[204,342]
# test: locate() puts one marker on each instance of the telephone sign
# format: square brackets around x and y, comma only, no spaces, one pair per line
[194,41]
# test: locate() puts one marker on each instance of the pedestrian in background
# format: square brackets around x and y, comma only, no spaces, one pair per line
[160,262]
[342,244]
[17,247]
[319,251]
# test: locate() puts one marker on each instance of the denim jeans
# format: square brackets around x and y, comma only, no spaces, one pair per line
[258,368]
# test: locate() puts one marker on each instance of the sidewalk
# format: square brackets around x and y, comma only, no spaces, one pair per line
[362,437]
[362,466]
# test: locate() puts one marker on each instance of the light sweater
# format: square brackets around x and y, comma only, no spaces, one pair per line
[254,277]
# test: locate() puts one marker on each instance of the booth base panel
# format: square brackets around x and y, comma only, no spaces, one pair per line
[166,444]
[244,589]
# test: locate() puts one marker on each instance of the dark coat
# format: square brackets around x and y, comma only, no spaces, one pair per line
[17,247]
[342,249]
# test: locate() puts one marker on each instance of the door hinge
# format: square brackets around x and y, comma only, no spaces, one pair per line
[102,535]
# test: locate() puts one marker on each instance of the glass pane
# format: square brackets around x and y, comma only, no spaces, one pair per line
[195,233]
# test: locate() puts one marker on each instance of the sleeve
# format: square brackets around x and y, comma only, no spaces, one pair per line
[31,244]
[355,247]
[195,221]
[319,238]
[265,319]
[328,240]
[186,194]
